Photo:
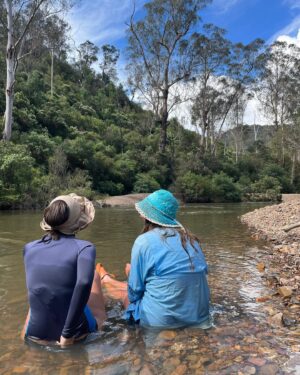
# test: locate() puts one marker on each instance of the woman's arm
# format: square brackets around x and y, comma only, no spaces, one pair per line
[81,293]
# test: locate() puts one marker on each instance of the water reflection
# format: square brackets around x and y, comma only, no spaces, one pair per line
[240,342]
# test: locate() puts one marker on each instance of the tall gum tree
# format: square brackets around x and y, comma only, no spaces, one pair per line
[161,52]
[226,71]
[276,86]
[20,16]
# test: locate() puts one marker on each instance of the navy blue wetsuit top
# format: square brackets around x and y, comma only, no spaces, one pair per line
[59,276]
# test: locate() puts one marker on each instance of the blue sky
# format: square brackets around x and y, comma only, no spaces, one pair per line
[103,21]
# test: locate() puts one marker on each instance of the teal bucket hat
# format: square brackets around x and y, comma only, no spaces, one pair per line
[160,208]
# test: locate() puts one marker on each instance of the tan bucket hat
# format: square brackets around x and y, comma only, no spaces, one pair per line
[81,214]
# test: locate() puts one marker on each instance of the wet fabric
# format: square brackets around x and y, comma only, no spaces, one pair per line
[164,288]
[59,276]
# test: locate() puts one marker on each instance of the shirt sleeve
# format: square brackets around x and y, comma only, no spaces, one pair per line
[82,289]
[141,266]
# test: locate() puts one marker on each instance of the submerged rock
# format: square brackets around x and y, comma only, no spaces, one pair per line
[269,369]
[285,291]
[276,319]
[167,335]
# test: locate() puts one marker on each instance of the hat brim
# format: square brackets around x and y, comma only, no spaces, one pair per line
[148,212]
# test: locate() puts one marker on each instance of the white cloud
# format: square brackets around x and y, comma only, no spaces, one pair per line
[290,40]
[289,29]
[101,21]
[293,4]
[223,6]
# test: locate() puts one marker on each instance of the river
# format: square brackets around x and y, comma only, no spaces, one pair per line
[241,342]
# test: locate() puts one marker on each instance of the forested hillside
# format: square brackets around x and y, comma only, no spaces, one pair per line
[75,128]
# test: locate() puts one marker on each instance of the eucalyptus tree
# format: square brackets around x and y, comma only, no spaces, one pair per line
[236,123]
[87,56]
[162,55]
[225,74]
[276,87]
[212,53]
[20,18]
[110,57]
[291,134]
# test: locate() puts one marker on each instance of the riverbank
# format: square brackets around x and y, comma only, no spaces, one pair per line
[128,200]
[280,266]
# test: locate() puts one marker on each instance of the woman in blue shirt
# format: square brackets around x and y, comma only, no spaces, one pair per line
[167,285]
[64,291]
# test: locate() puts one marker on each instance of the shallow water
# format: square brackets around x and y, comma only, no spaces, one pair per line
[239,343]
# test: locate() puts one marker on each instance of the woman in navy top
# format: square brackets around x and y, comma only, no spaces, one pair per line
[64,292]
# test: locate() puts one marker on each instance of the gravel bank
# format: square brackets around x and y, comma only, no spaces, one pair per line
[280,267]
[267,222]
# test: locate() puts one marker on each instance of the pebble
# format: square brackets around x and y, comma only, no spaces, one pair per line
[19,370]
[249,370]
[257,361]
[270,369]
[285,291]
[260,266]
[276,319]
[146,371]
[171,363]
[180,370]
[262,298]
[167,335]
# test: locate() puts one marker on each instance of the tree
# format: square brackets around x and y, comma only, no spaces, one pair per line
[236,124]
[275,92]
[20,18]
[110,56]
[161,52]
[212,53]
[87,53]
[226,72]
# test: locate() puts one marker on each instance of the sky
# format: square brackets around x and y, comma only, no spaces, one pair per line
[104,22]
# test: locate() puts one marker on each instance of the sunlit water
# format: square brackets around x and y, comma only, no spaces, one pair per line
[239,343]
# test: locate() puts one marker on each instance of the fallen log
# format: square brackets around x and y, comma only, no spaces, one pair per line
[287,228]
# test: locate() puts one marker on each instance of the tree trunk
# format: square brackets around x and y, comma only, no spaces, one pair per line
[164,123]
[52,70]
[282,145]
[293,167]
[10,73]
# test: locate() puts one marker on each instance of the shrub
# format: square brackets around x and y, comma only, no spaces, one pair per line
[145,183]
[194,188]
[266,184]
[224,189]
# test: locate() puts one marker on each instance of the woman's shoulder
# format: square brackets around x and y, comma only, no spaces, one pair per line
[82,244]
[32,244]
[148,237]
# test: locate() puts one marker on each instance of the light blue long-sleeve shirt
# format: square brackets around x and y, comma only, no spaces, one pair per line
[163,289]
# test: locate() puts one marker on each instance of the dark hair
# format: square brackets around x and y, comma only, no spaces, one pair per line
[185,237]
[55,215]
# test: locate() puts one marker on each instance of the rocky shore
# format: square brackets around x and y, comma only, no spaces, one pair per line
[280,266]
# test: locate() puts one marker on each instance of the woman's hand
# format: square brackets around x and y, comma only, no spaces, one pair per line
[66,342]
[127,269]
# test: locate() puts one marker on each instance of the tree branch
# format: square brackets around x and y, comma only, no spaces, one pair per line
[35,9]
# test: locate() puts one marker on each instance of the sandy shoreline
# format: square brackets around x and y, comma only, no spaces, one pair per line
[128,200]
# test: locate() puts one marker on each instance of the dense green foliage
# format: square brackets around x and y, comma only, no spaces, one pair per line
[92,139]
[89,137]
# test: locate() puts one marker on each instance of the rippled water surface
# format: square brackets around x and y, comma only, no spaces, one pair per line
[239,343]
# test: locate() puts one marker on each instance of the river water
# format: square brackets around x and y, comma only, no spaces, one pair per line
[240,342]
